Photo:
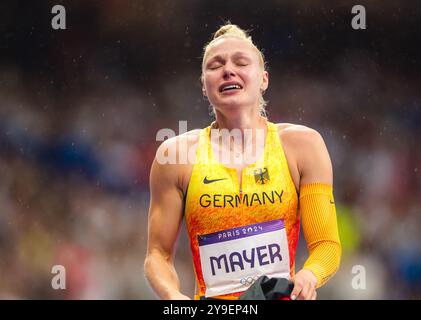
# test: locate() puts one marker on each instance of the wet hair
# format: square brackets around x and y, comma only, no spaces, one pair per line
[232,30]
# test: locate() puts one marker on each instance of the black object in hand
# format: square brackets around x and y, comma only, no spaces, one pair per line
[265,288]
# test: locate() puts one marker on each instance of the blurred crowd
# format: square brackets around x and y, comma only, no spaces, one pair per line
[79,113]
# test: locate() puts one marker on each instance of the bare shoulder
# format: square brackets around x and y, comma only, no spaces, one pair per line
[174,160]
[306,149]
[175,146]
[295,135]
[190,137]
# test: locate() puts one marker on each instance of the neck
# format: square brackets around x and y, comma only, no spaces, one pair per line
[246,134]
[241,121]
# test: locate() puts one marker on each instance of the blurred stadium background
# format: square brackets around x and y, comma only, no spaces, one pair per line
[80,108]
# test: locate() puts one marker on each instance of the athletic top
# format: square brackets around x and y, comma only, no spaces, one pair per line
[238,235]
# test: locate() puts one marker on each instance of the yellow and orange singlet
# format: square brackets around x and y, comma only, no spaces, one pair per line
[238,235]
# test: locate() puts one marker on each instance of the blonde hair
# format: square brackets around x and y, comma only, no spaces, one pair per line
[232,30]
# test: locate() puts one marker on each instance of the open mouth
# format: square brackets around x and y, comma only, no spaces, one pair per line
[230,87]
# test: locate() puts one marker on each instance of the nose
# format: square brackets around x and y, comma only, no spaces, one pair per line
[228,72]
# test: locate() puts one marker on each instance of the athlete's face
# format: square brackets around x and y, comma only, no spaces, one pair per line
[233,75]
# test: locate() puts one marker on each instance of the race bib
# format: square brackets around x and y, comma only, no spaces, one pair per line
[233,259]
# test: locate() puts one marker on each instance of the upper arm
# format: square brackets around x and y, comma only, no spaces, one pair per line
[315,164]
[166,207]
[311,155]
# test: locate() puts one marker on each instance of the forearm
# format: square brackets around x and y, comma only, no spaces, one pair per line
[162,276]
[324,260]
[320,230]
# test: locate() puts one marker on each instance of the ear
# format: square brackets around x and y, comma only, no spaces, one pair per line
[265,82]
[203,86]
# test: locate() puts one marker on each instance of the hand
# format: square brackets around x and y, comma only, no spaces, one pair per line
[178,296]
[304,286]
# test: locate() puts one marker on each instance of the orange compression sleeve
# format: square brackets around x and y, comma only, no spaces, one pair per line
[320,228]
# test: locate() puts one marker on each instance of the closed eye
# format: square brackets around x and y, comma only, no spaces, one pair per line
[242,62]
[214,65]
